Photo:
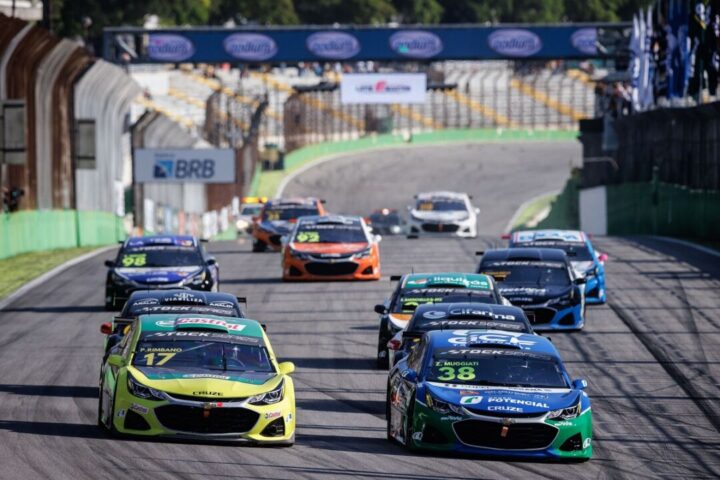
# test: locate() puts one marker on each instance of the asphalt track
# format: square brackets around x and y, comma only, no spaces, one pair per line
[651,356]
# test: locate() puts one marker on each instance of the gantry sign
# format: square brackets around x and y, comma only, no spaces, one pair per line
[417,43]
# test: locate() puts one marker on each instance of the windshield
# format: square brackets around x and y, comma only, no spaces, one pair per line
[136,310]
[251,210]
[440,205]
[389,219]
[147,257]
[193,354]
[421,325]
[576,251]
[410,299]
[496,366]
[330,233]
[288,212]
[538,274]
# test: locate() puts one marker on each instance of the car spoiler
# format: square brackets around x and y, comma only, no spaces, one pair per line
[121,322]
[395,278]
[480,253]
[242,300]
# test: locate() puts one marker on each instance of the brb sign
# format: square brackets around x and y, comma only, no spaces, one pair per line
[186,166]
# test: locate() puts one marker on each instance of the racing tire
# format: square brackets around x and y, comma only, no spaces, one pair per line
[259,246]
[409,425]
[109,427]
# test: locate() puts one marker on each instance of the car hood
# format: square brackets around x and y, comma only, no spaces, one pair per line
[205,382]
[329,247]
[526,294]
[511,400]
[159,275]
[582,268]
[281,227]
[449,216]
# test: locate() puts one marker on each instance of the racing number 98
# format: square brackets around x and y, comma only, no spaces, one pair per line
[452,373]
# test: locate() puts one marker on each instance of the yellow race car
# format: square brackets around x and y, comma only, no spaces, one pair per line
[197,376]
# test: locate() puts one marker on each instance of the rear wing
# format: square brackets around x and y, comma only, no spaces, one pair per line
[119,323]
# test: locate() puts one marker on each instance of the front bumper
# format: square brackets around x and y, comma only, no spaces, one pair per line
[595,290]
[534,437]
[206,420]
[295,269]
[118,294]
[462,229]
[555,318]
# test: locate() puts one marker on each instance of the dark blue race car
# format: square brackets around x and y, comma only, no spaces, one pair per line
[586,261]
[159,262]
[542,282]
[488,392]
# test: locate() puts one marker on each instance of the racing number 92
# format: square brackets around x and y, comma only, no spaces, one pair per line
[452,373]
[308,237]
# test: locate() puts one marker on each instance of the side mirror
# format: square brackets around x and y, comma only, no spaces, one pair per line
[409,375]
[109,263]
[380,309]
[106,328]
[115,360]
[211,261]
[286,368]
[579,384]
[377,238]
[603,257]
[480,253]
[477,211]
[264,327]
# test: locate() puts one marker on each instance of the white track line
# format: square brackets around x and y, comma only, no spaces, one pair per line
[49,274]
[685,243]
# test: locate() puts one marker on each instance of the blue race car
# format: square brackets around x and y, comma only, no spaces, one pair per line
[488,392]
[586,261]
[542,282]
[168,261]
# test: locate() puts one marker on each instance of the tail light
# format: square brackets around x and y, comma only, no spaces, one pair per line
[394,344]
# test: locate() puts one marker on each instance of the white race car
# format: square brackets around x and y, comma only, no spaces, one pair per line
[443,213]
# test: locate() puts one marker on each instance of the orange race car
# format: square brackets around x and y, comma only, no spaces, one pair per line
[277,218]
[331,247]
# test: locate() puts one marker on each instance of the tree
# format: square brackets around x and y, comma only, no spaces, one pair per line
[418,11]
[264,12]
[358,12]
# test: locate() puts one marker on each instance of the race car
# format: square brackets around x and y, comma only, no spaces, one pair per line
[386,221]
[443,214]
[250,208]
[197,376]
[277,219]
[447,316]
[417,289]
[166,261]
[144,302]
[586,261]
[488,392]
[542,282]
[331,247]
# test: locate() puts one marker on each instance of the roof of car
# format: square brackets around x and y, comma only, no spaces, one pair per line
[440,195]
[159,240]
[527,254]
[476,281]
[292,201]
[525,236]
[330,219]
[526,342]
[174,322]
[446,314]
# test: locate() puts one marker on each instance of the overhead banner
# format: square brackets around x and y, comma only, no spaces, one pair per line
[184,165]
[419,43]
[383,88]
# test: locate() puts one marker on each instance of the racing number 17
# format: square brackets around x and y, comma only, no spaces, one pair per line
[150,359]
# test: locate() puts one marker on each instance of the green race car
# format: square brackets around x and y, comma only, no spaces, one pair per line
[197,376]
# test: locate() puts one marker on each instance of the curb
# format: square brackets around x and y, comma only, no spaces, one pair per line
[49,274]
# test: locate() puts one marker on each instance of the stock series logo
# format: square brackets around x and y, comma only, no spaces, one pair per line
[250,46]
[515,42]
[416,44]
[333,45]
[170,47]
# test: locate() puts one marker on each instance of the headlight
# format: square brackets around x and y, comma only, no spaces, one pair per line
[565,413]
[141,391]
[441,406]
[120,280]
[241,224]
[197,279]
[395,229]
[363,253]
[561,302]
[269,398]
[299,255]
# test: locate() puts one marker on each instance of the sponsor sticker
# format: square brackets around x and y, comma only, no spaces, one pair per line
[333,45]
[503,408]
[584,40]
[169,47]
[269,415]
[471,400]
[121,413]
[147,301]
[137,408]
[250,46]
[587,442]
[209,321]
[416,44]
[434,314]
[517,401]
[222,304]
[515,42]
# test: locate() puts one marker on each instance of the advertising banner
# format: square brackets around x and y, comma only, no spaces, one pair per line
[184,165]
[385,88]
[418,43]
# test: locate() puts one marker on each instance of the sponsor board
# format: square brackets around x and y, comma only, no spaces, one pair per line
[381,88]
[515,42]
[416,44]
[333,45]
[250,46]
[205,165]
[585,40]
[169,47]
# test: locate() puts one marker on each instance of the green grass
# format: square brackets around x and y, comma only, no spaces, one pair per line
[22,268]
[532,210]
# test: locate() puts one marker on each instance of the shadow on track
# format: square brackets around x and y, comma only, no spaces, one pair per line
[71,391]
[335,363]
[59,309]
[58,429]
[342,405]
